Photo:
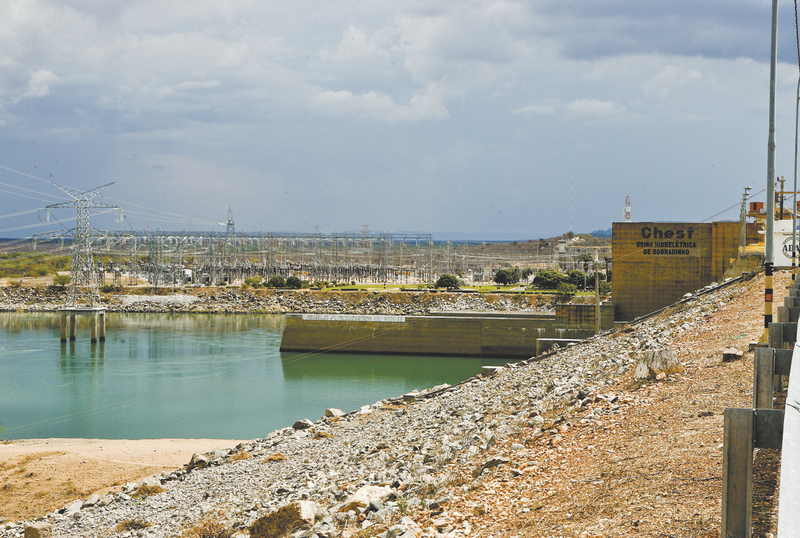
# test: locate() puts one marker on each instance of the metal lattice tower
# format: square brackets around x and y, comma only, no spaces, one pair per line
[230,231]
[83,290]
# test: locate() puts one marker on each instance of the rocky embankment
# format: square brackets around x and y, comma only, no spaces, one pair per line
[380,470]
[239,301]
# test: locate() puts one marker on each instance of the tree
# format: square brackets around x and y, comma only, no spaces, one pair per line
[507,276]
[294,282]
[549,280]
[577,278]
[447,281]
[276,281]
[565,288]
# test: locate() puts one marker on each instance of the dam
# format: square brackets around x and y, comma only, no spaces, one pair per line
[480,334]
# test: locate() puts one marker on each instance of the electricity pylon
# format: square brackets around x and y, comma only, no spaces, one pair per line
[83,289]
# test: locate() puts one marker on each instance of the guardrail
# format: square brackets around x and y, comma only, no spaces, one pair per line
[764,427]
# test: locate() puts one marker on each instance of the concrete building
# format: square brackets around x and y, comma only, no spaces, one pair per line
[655,263]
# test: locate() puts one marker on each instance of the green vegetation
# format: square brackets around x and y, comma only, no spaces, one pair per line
[31,265]
[252,282]
[507,276]
[294,282]
[549,280]
[566,289]
[61,280]
[276,281]
[447,281]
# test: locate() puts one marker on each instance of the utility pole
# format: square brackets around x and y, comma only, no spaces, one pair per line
[768,243]
[743,219]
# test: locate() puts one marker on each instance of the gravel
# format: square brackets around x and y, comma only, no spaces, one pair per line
[404,443]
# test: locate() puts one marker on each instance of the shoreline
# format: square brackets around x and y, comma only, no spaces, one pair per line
[515,450]
[235,300]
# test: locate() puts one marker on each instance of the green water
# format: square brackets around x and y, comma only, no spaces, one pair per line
[184,375]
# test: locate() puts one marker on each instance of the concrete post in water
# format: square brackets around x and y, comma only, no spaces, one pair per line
[73,322]
[63,327]
[102,326]
[93,326]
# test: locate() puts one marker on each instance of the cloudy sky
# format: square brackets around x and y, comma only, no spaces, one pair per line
[474,116]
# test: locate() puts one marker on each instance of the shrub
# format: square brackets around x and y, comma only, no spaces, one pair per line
[145,491]
[14,284]
[254,281]
[294,282]
[576,278]
[565,288]
[61,280]
[209,528]
[447,281]
[276,281]
[107,288]
[507,276]
[549,279]
[132,525]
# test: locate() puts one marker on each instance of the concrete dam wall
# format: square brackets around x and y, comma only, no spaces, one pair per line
[467,334]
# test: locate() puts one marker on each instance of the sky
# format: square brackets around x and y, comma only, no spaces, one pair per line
[478,117]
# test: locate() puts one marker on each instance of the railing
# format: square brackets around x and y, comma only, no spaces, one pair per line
[764,427]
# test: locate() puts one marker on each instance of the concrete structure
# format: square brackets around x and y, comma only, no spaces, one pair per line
[97,322]
[655,263]
[465,334]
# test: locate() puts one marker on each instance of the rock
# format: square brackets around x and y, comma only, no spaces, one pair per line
[494,462]
[364,496]
[91,501]
[286,519]
[303,424]
[198,461]
[655,361]
[74,507]
[38,530]
[151,482]
[731,354]
[333,412]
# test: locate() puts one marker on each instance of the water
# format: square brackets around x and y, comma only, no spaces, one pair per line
[189,376]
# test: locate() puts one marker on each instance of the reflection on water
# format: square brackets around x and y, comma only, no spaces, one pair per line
[184,375]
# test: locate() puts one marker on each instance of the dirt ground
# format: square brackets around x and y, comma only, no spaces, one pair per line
[653,468]
[41,475]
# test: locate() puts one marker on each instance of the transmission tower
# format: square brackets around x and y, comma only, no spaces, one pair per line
[230,231]
[83,290]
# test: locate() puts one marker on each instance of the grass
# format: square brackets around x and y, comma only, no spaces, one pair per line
[132,525]
[209,528]
[243,455]
[146,491]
